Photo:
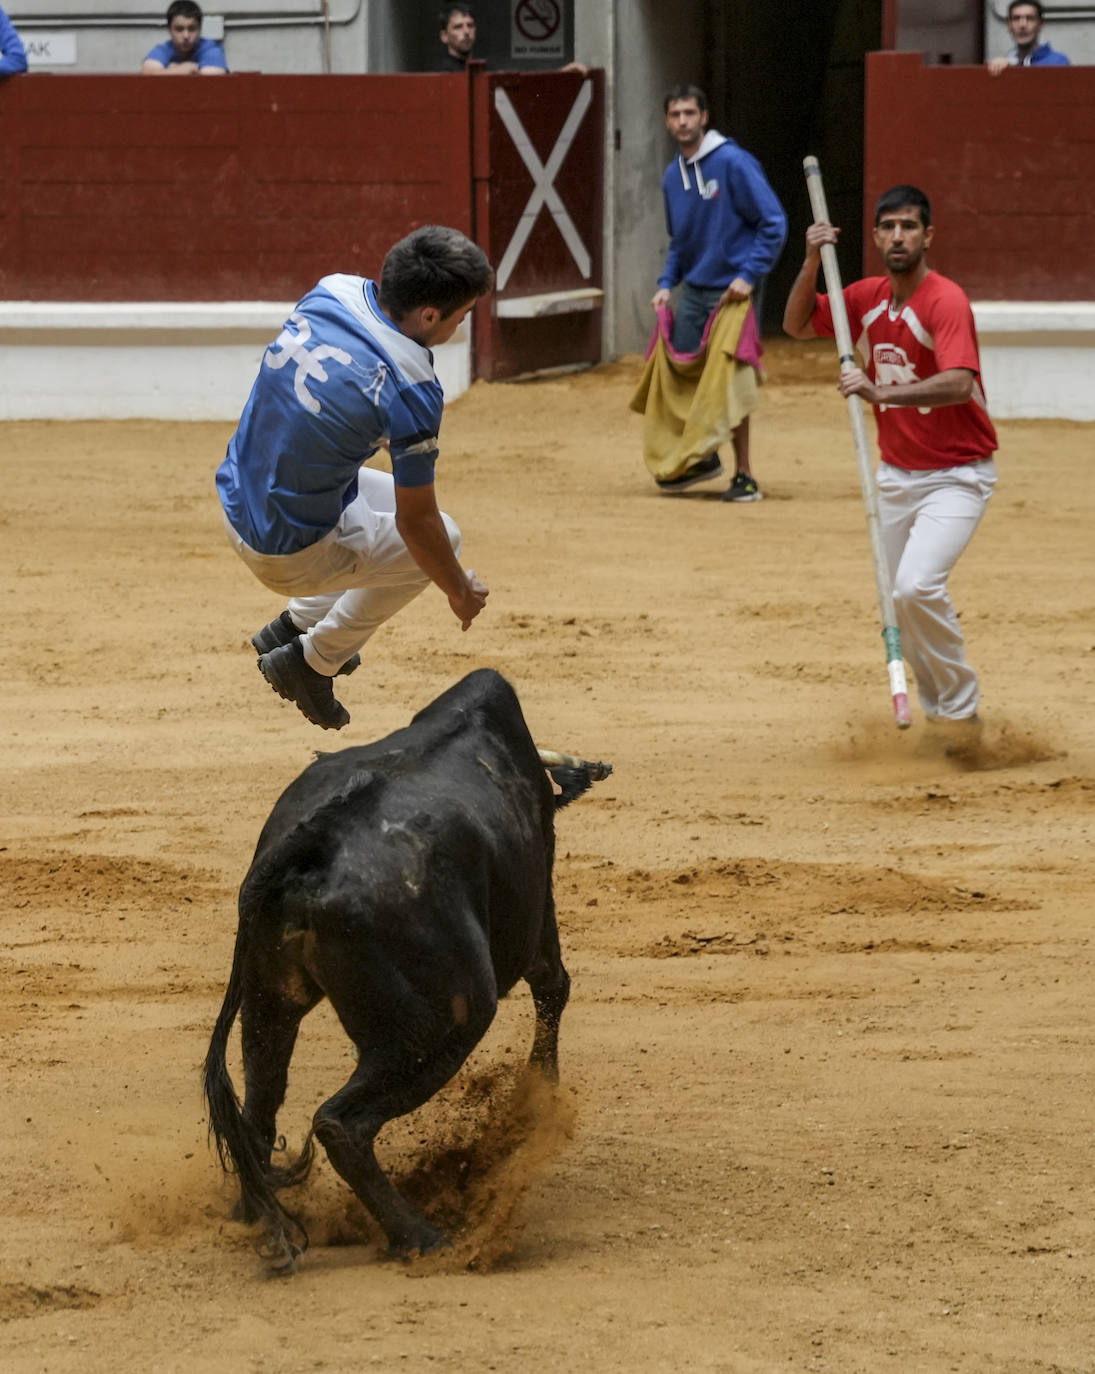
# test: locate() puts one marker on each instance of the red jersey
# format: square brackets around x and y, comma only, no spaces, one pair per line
[933,331]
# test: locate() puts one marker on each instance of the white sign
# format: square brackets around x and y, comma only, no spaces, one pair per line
[49,49]
[536,28]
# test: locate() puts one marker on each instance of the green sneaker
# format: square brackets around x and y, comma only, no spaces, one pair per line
[743,488]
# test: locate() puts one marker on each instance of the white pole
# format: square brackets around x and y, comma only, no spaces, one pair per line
[891,636]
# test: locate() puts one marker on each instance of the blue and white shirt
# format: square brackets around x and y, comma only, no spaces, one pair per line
[339,380]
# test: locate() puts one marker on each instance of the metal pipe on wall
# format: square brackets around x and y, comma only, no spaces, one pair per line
[242,20]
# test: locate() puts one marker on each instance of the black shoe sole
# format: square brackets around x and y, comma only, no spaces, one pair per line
[689,479]
[284,684]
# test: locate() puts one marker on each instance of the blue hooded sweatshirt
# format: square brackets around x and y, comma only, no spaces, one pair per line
[1042,56]
[724,220]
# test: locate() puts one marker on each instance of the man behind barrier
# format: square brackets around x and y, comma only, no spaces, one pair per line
[185,52]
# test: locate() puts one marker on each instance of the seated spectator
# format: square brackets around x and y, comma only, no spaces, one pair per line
[457,39]
[13,56]
[186,52]
[1025,26]
[458,42]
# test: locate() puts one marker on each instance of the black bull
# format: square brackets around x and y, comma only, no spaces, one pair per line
[409,881]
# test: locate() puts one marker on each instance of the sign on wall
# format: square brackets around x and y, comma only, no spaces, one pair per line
[536,28]
[50,49]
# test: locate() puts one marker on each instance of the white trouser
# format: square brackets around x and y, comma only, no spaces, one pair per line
[344,587]
[926,519]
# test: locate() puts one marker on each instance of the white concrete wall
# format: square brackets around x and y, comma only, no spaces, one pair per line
[941,29]
[175,361]
[1037,358]
[655,46]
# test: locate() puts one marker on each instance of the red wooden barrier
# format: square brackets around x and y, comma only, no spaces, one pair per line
[125,188]
[1008,163]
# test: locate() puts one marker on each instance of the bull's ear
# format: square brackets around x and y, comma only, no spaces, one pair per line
[573,781]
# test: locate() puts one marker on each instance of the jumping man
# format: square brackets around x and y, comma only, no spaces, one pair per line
[351,372]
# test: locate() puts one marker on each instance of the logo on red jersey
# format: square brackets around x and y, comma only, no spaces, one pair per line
[892,368]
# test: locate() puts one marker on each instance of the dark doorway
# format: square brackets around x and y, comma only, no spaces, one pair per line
[785,81]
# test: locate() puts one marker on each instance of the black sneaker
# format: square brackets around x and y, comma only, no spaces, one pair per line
[703,471]
[743,488]
[288,672]
[283,631]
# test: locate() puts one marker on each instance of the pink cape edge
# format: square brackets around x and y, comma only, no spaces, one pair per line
[749,349]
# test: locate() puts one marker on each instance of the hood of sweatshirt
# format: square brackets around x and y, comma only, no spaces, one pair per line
[710,141]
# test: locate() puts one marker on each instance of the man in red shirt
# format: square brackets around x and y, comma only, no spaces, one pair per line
[922,374]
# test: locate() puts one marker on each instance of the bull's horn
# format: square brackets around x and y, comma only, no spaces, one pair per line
[551,759]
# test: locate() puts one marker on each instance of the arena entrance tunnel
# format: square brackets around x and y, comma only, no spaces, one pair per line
[786,81]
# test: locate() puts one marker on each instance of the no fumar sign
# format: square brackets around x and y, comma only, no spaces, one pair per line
[536,28]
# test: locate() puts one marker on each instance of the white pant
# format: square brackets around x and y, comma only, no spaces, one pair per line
[926,519]
[345,587]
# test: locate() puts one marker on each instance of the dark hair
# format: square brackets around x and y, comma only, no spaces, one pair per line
[447,12]
[1034,5]
[184,9]
[685,92]
[433,266]
[897,197]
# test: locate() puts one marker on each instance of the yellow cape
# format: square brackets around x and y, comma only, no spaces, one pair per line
[691,408]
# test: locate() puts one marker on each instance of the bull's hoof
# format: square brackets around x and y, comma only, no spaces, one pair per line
[280,1255]
[427,1240]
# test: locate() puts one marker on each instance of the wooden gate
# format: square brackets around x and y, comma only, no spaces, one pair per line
[539,175]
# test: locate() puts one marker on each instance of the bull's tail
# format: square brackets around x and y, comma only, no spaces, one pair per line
[237,1148]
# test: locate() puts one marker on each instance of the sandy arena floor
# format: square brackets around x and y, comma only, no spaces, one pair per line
[829,1054]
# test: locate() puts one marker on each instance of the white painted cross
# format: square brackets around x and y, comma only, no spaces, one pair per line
[543,178]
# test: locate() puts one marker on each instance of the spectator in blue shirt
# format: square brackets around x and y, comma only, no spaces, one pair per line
[186,52]
[13,56]
[1025,26]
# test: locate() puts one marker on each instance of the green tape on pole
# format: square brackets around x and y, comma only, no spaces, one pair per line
[891,637]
